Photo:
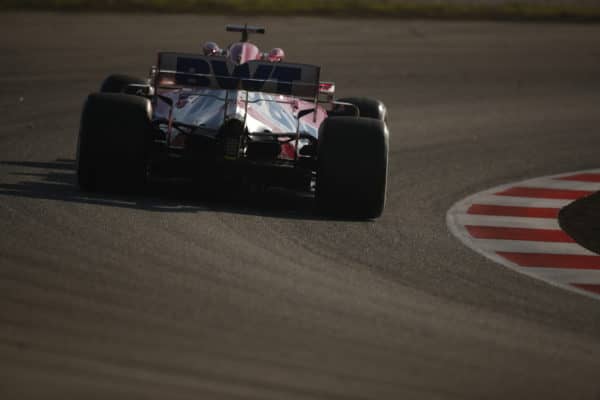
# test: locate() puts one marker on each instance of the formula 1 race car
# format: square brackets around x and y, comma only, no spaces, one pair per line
[237,112]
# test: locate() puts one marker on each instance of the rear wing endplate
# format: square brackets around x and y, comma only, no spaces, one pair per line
[178,70]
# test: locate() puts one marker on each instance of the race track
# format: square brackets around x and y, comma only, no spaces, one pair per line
[168,296]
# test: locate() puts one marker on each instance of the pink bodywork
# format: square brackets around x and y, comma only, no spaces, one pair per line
[261,112]
[243,52]
[275,114]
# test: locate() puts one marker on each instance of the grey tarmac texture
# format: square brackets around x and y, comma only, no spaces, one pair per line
[170,296]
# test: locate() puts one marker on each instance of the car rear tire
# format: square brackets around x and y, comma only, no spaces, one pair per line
[117,83]
[368,107]
[113,142]
[352,167]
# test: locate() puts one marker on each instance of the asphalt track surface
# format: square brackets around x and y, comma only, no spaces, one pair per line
[168,295]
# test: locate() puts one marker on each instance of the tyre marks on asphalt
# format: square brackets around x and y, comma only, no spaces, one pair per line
[517,226]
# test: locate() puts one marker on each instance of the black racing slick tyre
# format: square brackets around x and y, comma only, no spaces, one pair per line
[352,167]
[113,141]
[117,83]
[368,107]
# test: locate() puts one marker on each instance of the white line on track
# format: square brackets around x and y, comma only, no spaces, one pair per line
[491,199]
[507,221]
[568,276]
[563,184]
[523,246]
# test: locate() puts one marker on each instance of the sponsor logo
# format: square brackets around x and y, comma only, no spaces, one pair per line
[250,76]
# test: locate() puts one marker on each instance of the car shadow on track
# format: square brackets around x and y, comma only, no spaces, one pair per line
[57,181]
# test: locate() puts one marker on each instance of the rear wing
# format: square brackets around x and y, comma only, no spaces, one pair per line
[178,70]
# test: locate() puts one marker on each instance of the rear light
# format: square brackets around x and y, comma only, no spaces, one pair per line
[232,132]
[231,147]
[166,82]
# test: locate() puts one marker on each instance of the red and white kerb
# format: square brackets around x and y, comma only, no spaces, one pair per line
[517,226]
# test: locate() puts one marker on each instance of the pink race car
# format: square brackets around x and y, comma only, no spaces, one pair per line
[237,112]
